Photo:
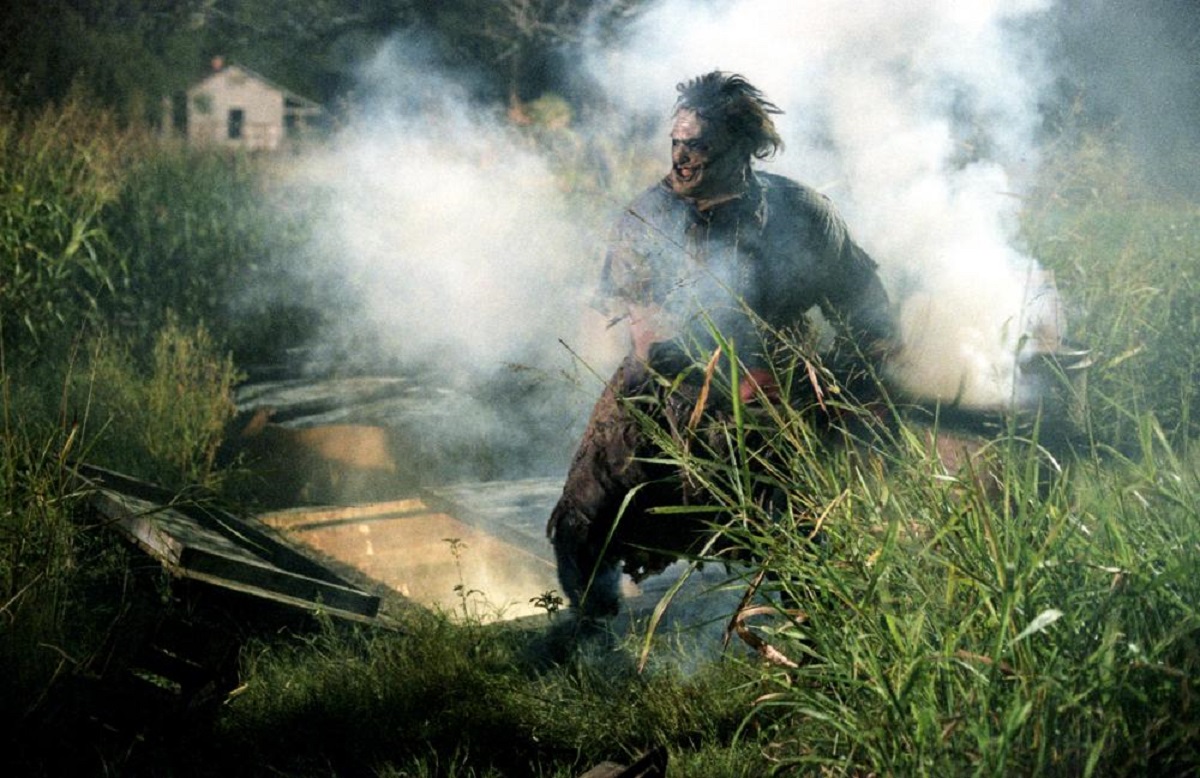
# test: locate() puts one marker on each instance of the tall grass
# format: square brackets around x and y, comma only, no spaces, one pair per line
[101,224]
[947,629]
[161,415]
[1034,614]
[1128,258]
[77,603]
[1037,614]
[59,169]
[206,235]
[37,554]
[447,698]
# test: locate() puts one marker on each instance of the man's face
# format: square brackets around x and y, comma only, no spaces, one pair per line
[703,164]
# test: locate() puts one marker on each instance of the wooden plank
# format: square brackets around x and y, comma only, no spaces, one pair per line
[309,519]
[188,549]
[271,579]
[241,532]
[406,545]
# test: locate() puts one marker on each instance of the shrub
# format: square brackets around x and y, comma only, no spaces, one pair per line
[37,555]
[212,237]
[1127,261]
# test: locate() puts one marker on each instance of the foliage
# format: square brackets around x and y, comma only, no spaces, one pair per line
[205,234]
[37,552]
[58,171]
[1037,614]
[102,225]
[134,54]
[74,604]
[65,580]
[161,417]
[375,694]
[1127,261]
[513,37]
[1043,622]
[126,55]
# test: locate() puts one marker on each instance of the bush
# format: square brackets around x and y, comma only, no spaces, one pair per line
[37,555]
[105,225]
[1026,616]
[203,233]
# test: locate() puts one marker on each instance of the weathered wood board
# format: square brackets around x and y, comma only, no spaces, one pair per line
[205,544]
[480,563]
[501,558]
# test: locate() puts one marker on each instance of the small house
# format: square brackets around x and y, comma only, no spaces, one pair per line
[237,108]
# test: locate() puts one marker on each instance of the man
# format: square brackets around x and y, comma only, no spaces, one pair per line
[709,267]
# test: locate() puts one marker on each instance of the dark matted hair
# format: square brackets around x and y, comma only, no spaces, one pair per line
[730,101]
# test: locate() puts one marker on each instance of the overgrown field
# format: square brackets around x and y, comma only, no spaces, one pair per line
[1041,618]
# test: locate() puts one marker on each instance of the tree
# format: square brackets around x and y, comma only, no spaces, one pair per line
[518,38]
[122,52]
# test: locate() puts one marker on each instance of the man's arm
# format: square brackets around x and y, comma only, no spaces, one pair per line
[627,284]
[861,304]
[646,327]
[855,300]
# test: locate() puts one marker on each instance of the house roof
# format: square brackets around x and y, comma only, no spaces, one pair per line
[288,94]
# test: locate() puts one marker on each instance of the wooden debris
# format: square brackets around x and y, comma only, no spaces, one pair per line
[652,764]
[206,544]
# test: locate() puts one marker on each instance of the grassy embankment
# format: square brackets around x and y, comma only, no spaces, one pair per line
[1050,628]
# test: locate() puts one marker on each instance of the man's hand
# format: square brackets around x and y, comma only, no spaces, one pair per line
[757,380]
[646,328]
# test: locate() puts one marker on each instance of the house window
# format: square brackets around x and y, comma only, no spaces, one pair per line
[237,118]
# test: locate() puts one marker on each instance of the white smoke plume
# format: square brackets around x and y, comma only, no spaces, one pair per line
[456,257]
[450,227]
[917,119]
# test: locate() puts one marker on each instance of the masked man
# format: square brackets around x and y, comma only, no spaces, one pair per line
[713,264]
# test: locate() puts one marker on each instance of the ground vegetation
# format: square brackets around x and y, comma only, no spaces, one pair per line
[1043,620]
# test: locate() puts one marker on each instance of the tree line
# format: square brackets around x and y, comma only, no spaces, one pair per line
[131,54]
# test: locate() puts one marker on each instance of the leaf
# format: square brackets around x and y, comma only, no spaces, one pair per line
[1043,620]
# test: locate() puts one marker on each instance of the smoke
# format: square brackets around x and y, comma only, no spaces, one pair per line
[1139,73]
[460,253]
[450,228]
[919,121]
[456,256]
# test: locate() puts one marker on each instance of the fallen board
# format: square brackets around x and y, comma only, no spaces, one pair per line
[480,549]
[430,553]
[203,543]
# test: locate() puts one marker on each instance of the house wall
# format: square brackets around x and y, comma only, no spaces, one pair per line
[211,104]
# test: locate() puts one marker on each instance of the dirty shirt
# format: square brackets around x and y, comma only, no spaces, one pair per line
[748,266]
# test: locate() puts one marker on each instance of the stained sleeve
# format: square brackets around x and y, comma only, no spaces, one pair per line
[854,298]
[632,264]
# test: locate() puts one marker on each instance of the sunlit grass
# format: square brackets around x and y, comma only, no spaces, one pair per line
[480,700]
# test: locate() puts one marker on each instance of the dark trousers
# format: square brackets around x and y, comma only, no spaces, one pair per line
[602,519]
